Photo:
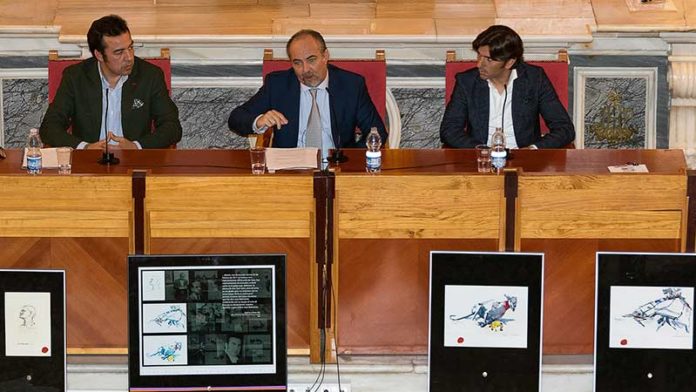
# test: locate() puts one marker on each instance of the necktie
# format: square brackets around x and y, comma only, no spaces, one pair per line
[313,136]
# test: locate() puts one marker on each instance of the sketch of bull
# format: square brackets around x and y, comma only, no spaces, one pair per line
[484,315]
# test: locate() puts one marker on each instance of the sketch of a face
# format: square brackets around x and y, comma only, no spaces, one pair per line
[27,314]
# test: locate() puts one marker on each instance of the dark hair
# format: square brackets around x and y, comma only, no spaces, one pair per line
[306,32]
[110,26]
[504,43]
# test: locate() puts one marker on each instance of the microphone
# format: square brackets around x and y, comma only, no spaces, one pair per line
[107,158]
[502,121]
[336,155]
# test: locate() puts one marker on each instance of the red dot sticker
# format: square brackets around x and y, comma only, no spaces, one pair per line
[44,349]
[460,340]
[623,342]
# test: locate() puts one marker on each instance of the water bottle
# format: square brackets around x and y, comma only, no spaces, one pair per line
[34,152]
[498,151]
[373,155]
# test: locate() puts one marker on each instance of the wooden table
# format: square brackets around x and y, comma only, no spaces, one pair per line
[564,203]
[382,228]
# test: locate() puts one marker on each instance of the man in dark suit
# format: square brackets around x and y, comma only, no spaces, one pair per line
[505,92]
[112,96]
[285,101]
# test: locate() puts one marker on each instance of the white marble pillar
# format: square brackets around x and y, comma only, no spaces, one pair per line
[682,121]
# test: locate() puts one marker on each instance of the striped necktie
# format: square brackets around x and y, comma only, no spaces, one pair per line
[313,137]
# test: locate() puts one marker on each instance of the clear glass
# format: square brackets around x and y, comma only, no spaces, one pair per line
[64,155]
[258,160]
[483,158]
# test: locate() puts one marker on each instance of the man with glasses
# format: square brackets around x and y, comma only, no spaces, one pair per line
[504,92]
[112,97]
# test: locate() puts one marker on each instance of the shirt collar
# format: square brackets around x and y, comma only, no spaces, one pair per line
[322,86]
[105,83]
[511,78]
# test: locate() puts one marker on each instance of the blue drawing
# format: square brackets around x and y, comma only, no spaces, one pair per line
[490,313]
[672,309]
[174,317]
[168,353]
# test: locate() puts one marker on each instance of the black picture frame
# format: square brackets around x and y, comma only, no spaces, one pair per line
[640,369]
[32,373]
[263,367]
[485,368]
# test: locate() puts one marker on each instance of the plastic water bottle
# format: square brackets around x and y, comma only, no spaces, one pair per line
[498,151]
[373,155]
[34,145]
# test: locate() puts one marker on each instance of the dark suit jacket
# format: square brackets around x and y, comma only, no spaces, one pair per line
[78,103]
[465,123]
[351,107]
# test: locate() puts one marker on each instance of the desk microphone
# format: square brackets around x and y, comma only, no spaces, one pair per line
[107,158]
[502,121]
[336,155]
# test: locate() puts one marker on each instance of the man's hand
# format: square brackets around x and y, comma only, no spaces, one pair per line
[271,118]
[123,143]
[100,145]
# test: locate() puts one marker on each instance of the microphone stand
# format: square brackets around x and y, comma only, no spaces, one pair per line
[107,157]
[336,155]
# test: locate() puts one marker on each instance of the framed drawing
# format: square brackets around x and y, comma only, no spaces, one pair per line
[615,107]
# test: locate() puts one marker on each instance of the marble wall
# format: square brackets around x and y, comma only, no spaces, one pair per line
[204,107]
[24,103]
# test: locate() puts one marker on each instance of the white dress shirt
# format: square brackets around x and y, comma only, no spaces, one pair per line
[305,109]
[495,112]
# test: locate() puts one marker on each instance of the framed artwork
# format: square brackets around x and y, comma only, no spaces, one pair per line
[32,330]
[615,107]
[485,310]
[644,338]
[207,321]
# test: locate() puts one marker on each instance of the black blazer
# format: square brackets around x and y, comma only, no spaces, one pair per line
[465,123]
[350,103]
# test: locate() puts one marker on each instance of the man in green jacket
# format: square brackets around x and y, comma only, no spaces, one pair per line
[113,96]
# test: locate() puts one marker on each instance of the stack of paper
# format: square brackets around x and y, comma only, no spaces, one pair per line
[291,158]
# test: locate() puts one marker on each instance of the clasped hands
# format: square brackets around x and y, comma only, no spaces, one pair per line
[121,143]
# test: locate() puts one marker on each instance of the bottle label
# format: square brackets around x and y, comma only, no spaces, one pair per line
[373,160]
[498,159]
[34,163]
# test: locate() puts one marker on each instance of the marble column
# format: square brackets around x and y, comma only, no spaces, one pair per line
[682,80]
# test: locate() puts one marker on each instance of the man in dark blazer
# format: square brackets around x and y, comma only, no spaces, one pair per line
[480,94]
[284,101]
[133,91]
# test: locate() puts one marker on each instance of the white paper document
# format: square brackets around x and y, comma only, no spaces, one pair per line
[49,158]
[628,168]
[291,158]
[27,324]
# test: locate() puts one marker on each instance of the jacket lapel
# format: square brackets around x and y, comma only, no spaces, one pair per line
[127,97]
[333,87]
[95,96]
[483,111]
[519,92]
[293,108]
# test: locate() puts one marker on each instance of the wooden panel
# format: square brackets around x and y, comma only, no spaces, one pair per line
[435,10]
[569,279]
[51,206]
[383,301]
[95,278]
[244,206]
[611,206]
[297,272]
[419,206]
